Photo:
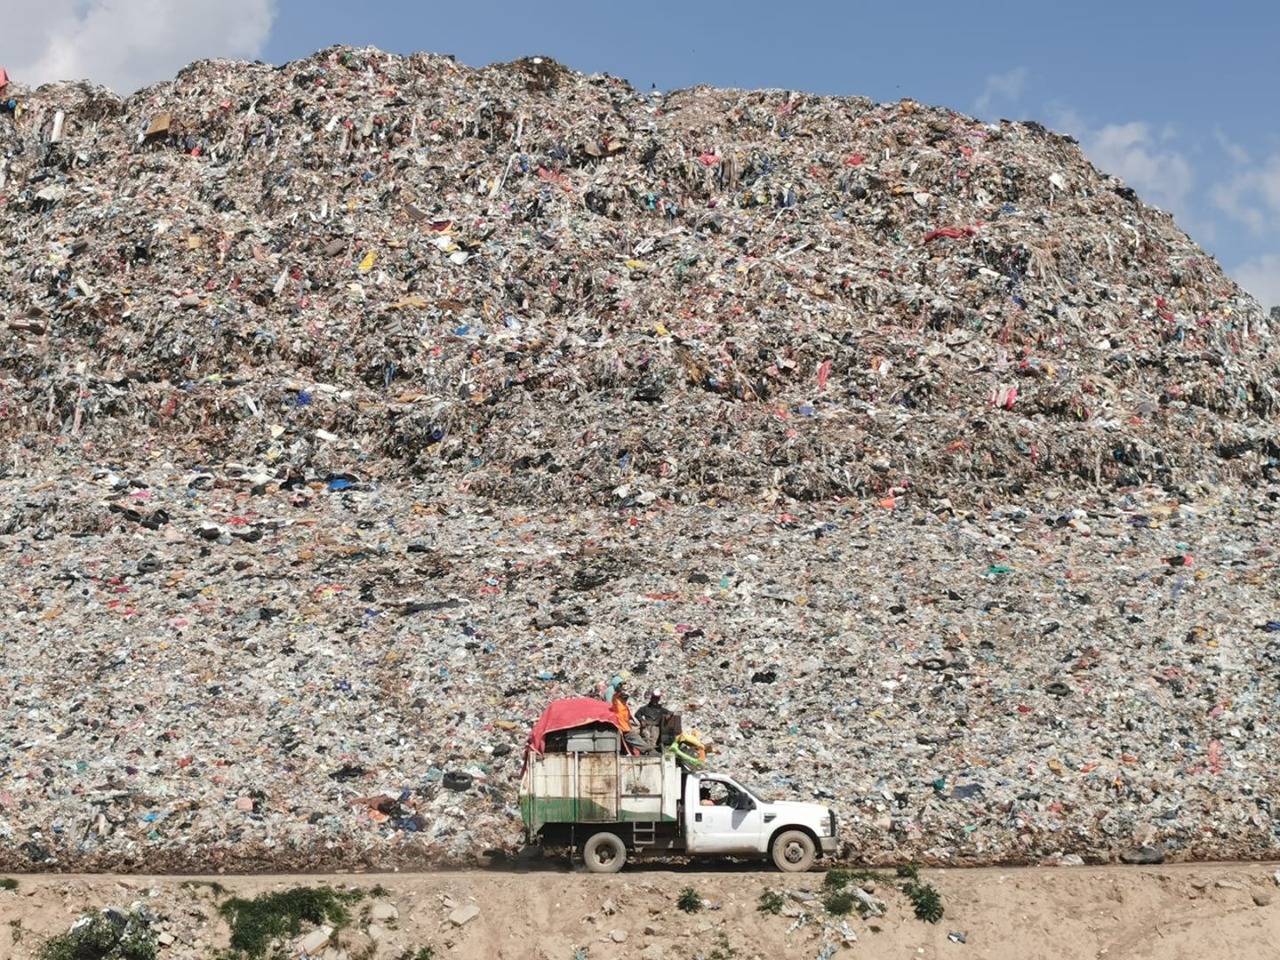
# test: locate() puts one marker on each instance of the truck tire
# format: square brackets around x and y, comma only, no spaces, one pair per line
[793,851]
[604,853]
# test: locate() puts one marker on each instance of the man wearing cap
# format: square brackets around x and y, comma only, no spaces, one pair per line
[612,687]
[651,717]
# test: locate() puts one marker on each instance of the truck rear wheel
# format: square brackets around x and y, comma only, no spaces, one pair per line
[793,851]
[604,853]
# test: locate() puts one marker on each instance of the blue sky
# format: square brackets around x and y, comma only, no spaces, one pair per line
[1178,99]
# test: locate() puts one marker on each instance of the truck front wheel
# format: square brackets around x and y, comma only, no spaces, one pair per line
[793,851]
[605,853]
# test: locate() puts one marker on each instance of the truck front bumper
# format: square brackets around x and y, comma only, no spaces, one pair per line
[830,846]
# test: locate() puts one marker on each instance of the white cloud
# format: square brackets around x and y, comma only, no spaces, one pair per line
[1252,197]
[1231,148]
[126,44]
[1003,87]
[1261,277]
[1129,151]
[1066,119]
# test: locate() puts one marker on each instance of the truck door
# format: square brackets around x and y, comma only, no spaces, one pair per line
[730,824]
[597,786]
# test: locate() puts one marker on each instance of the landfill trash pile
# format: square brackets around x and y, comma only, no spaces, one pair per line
[352,410]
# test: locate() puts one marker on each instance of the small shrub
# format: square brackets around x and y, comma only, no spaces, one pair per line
[866,876]
[8,883]
[214,887]
[771,901]
[836,879]
[379,891]
[839,903]
[926,900]
[689,900]
[101,936]
[422,953]
[256,923]
[16,932]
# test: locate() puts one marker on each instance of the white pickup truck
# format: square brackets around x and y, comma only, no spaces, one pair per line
[580,791]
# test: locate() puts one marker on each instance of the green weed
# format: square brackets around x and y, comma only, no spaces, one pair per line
[213,886]
[839,903]
[723,950]
[926,900]
[256,923]
[771,901]
[100,937]
[689,900]
[838,879]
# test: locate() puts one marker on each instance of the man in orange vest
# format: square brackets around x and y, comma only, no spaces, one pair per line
[626,723]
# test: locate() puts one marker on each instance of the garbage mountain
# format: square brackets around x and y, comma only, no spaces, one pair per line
[351,410]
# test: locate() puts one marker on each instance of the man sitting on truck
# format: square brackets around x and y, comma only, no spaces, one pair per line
[652,717]
[622,711]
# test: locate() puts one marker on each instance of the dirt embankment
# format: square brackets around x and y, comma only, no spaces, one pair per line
[1171,911]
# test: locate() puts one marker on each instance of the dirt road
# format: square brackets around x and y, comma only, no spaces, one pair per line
[1173,911]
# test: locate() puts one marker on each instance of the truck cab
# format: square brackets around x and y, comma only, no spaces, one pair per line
[727,818]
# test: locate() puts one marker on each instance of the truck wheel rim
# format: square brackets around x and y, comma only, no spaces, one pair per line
[794,852]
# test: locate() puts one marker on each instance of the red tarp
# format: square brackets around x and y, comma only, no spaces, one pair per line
[567,714]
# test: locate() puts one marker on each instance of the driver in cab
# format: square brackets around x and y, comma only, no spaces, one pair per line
[712,793]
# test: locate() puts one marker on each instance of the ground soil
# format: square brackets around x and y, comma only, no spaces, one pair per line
[1168,911]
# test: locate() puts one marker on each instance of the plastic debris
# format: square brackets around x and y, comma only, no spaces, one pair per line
[351,410]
